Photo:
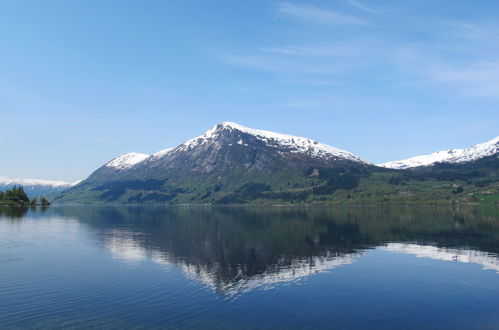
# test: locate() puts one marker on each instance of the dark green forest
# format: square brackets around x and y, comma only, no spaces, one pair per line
[17,196]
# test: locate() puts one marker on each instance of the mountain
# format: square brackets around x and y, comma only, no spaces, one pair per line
[227,150]
[36,187]
[229,163]
[452,156]
[233,164]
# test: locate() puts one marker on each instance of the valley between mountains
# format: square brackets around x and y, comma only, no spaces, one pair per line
[233,164]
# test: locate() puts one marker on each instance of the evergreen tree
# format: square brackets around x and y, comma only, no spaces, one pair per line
[22,195]
[44,201]
[16,195]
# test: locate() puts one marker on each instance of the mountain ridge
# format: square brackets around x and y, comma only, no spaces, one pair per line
[470,154]
[234,164]
[301,144]
[36,187]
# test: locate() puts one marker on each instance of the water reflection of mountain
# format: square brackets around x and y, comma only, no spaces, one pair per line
[487,260]
[237,249]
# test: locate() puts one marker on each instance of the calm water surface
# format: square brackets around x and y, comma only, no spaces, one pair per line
[160,267]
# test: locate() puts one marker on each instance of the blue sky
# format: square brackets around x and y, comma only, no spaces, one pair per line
[84,81]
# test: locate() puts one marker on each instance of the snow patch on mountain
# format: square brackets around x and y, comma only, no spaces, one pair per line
[161,153]
[36,182]
[448,156]
[126,161]
[290,143]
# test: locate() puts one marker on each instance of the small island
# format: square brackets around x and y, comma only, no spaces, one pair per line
[18,197]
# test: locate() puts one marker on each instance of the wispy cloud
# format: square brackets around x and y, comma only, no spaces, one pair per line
[281,65]
[460,77]
[318,15]
[361,6]
[477,79]
[311,51]
[472,31]
[318,65]
[441,57]
[301,105]
[312,81]
[258,62]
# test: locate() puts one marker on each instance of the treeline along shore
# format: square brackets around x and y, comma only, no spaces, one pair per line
[18,197]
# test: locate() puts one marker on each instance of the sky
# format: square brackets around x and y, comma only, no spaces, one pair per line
[82,82]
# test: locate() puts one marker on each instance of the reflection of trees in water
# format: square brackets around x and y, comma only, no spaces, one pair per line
[17,212]
[13,212]
[234,249]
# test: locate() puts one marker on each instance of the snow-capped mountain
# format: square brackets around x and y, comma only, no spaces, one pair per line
[126,161]
[289,143]
[233,164]
[228,155]
[161,153]
[36,187]
[221,138]
[473,153]
[286,144]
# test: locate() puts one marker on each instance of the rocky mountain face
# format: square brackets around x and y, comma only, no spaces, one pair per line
[230,148]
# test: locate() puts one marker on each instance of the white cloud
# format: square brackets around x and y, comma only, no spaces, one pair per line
[314,64]
[475,79]
[445,57]
[361,6]
[460,70]
[318,15]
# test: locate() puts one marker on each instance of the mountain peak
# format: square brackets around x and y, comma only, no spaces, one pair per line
[288,143]
[230,124]
[448,156]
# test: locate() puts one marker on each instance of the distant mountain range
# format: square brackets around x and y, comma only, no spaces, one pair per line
[452,156]
[233,164]
[36,187]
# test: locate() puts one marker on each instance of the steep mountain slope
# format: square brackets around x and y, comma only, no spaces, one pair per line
[227,160]
[36,187]
[452,156]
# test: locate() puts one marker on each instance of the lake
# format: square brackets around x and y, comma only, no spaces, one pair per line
[139,267]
